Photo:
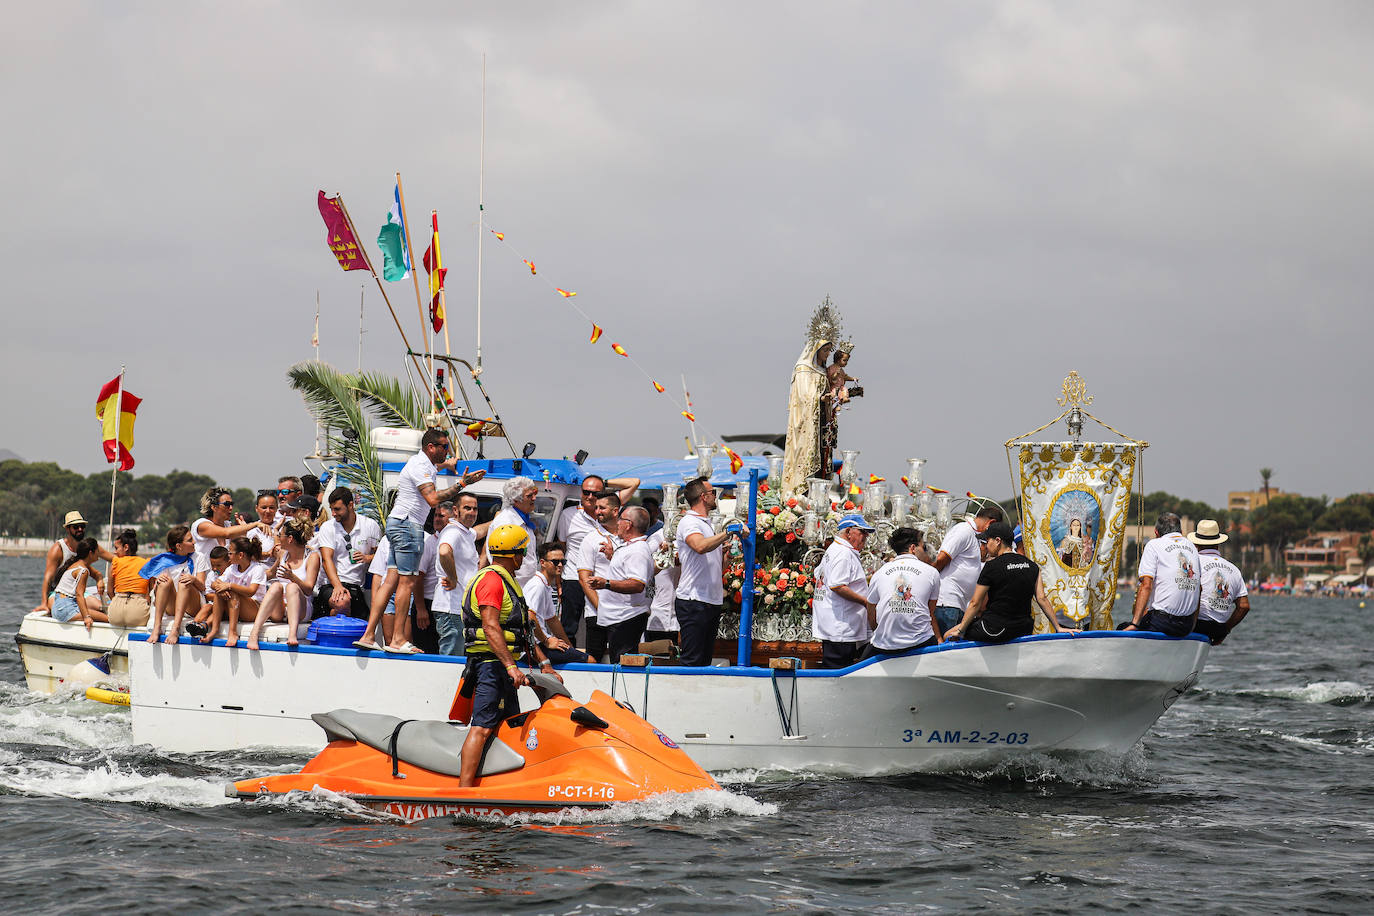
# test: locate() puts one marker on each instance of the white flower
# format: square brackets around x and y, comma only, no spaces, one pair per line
[770,599]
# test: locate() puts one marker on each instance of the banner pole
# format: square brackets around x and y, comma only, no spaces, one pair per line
[415,276]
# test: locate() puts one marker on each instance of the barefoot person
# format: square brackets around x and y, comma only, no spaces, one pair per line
[299,572]
[71,600]
[177,581]
[239,592]
[494,611]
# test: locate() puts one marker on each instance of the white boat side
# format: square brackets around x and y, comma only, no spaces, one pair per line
[49,648]
[942,708]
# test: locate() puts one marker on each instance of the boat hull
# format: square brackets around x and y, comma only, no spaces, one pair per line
[945,708]
[50,648]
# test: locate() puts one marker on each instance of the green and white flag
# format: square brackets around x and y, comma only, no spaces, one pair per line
[392,240]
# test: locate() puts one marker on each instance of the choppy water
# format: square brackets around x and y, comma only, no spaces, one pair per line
[1254,793]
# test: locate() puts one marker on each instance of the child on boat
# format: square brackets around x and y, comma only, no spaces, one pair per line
[71,601]
[239,593]
[176,583]
[292,578]
[219,562]
[128,590]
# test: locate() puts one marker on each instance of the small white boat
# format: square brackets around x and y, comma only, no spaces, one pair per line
[943,708]
[50,648]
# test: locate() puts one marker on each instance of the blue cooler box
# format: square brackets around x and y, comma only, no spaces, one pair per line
[338,631]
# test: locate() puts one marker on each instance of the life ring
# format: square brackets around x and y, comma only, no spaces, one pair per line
[112,697]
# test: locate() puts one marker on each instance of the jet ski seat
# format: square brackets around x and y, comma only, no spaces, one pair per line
[428,744]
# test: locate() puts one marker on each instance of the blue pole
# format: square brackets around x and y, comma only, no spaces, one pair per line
[746,607]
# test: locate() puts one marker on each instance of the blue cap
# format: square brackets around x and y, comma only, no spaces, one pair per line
[854,520]
[1016,534]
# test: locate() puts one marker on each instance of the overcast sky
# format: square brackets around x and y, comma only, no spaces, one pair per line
[1174,199]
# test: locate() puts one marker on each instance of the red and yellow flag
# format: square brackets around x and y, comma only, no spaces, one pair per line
[500,236]
[691,417]
[972,495]
[657,386]
[433,262]
[597,331]
[935,489]
[736,462]
[116,411]
[474,429]
[619,349]
[340,238]
[874,478]
[566,294]
[530,265]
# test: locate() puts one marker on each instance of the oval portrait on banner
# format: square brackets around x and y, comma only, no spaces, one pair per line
[1075,526]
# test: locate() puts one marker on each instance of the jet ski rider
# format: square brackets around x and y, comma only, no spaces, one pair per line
[496,628]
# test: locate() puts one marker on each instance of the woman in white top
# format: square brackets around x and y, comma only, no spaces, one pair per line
[240,591]
[211,529]
[177,591]
[298,571]
[71,601]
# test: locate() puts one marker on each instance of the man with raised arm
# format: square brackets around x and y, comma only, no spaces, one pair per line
[416,494]
[594,559]
[1166,598]
[572,527]
[699,588]
[1225,600]
[496,624]
[959,561]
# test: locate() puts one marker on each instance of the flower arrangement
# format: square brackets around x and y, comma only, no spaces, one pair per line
[784,589]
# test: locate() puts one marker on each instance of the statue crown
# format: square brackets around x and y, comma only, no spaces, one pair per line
[825,323]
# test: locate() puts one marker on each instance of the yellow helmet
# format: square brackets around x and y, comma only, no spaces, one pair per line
[508,540]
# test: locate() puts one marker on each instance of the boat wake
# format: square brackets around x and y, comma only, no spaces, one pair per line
[1333,693]
[111,781]
[66,719]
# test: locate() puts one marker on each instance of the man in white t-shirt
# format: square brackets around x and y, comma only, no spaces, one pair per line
[594,559]
[699,587]
[959,562]
[662,604]
[1166,598]
[518,496]
[573,525]
[348,542]
[1225,599]
[541,594]
[623,608]
[416,496]
[901,598]
[838,611]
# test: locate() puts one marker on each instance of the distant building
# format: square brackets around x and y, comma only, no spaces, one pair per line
[1249,500]
[1325,550]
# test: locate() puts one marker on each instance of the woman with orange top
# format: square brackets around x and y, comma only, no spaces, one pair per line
[128,590]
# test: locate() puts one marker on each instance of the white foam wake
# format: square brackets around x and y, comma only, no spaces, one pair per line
[65,720]
[703,803]
[110,781]
[1340,693]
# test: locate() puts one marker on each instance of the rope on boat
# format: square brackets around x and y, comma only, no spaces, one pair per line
[791,716]
[618,673]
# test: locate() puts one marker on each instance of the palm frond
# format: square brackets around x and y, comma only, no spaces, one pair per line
[333,401]
[388,399]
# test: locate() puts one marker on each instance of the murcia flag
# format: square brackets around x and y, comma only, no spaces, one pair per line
[340,238]
[116,411]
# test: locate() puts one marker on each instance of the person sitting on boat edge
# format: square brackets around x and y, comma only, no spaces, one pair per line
[1225,600]
[1166,599]
[839,613]
[71,600]
[572,527]
[128,590]
[901,599]
[496,630]
[348,542]
[239,593]
[700,589]
[541,595]
[959,562]
[176,580]
[416,495]
[198,627]
[1001,607]
[623,610]
[594,559]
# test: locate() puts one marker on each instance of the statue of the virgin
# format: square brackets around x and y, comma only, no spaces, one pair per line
[808,449]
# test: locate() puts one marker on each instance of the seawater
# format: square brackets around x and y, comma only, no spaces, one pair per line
[1254,793]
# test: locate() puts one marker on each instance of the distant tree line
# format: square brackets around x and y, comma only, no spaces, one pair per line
[35,497]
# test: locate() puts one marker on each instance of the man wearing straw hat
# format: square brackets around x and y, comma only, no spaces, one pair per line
[1225,600]
[61,551]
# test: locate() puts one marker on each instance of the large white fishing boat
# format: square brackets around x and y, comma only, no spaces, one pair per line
[947,707]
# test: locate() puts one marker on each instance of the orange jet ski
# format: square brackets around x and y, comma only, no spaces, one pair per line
[560,755]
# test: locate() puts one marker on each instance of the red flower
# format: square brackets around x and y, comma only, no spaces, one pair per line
[792,503]
[776,510]
[790,537]
[763,488]
[768,535]
[849,504]
[737,597]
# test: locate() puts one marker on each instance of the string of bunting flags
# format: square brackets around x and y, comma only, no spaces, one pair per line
[736,462]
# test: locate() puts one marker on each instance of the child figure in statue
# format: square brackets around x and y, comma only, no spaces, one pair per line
[836,393]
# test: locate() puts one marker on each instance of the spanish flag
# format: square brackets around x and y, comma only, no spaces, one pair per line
[530,265]
[736,462]
[474,429]
[874,478]
[597,331]
[434,266]
[691,417]
[566,294]
[619,349]
[935,489]
[500,236]
[116,411]
[657,387]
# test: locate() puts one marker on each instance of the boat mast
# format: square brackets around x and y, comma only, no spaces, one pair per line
[481,230]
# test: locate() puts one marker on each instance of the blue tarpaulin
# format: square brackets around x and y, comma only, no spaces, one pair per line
[653,473]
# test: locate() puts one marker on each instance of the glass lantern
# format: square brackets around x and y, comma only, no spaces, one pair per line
[704,455]
[944,509]
[875,496]
[925,504]
[915,474]
[848,472]
[775,472]
[899,507]
[818,492]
